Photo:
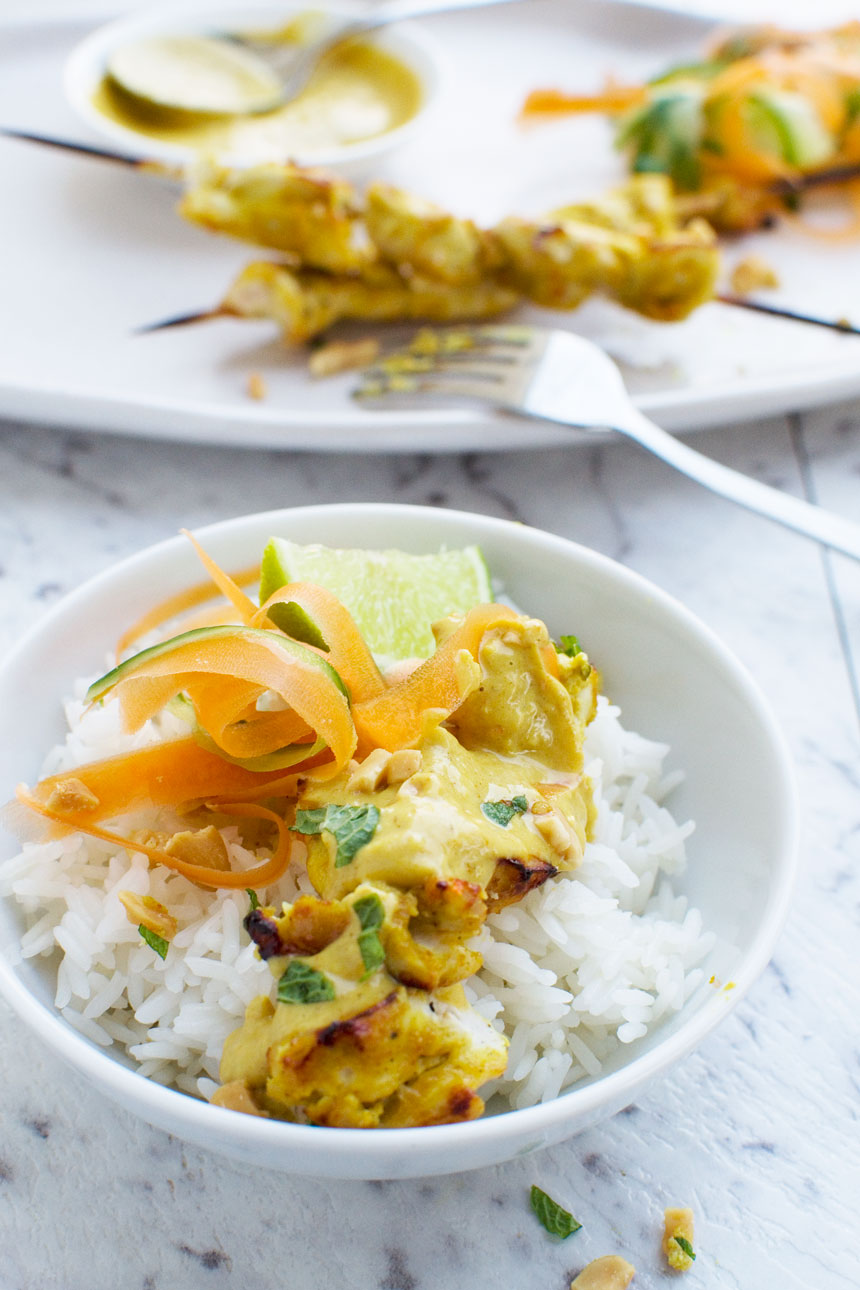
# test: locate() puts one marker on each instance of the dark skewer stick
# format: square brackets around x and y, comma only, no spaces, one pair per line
[815,179]
[776,311]
[183,320]
[91,150]
[780,187]
[69,145]
[737,302]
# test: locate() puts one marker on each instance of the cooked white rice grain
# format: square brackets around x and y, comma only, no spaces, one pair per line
[582,966]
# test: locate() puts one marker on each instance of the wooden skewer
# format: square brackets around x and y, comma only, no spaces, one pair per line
[70,145]
[780,187]
[738,302]
[776,311]
[92,150]
[183,320]
[815,179]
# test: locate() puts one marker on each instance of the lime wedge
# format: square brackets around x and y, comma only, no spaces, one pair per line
[393,596]
[195,74]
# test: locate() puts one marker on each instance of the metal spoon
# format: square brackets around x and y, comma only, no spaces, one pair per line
[228,73]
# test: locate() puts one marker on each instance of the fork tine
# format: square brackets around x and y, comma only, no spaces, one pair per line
[483,362]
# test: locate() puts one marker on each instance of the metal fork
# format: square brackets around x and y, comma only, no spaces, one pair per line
[556,376]
[296,66]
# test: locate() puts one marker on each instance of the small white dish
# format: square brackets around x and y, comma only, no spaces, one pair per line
[86,67]
[674,681]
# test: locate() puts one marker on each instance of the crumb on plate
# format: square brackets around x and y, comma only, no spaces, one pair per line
[343,356]
[752,274]
[256,386]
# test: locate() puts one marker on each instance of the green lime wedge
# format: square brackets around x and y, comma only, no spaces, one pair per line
[393,596]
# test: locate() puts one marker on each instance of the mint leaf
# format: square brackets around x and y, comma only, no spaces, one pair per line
[372,953]
[369,912]
[352,827]
[569,645]
[253,897]
[685,1246]
[302,983]
[556,1220]
[154,941]
[502,813]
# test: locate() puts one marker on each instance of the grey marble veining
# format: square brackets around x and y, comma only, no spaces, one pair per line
[757,1129]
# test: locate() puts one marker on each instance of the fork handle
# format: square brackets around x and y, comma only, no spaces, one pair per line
[824,526]
[387,11]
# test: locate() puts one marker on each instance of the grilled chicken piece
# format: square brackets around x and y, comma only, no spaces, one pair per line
[410,231]
[405,259]
[395,1060]
[520,706]
[304,303]
[371,1027]
[426,944]
[630,245]
[423,934]
[502,786]
[310,215]
[732,207]
[460,815]
[347,1043]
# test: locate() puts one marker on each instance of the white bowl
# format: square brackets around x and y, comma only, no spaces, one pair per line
[85,69]
[674,681]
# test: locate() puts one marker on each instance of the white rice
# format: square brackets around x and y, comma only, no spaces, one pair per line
[584,965]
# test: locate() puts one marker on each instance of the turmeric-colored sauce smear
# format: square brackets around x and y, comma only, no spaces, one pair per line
[357,92]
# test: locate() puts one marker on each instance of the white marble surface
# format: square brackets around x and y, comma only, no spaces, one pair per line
[757,1130]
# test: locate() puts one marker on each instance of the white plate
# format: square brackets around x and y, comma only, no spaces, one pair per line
[91,251]
[786,13]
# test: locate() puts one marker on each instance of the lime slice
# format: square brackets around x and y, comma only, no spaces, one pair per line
[393,596]
[195,74]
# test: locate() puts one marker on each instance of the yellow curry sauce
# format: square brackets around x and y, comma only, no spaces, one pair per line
[371,1027]
[357,92]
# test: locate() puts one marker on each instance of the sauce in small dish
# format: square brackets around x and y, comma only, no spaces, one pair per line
[362,97]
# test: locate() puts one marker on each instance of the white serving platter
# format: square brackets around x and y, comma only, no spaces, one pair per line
[91,251]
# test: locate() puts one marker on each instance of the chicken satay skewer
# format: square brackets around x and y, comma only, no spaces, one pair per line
[391,303]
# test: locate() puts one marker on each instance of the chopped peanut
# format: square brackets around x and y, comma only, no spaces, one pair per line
[751,274]
[256,386]
[343,356]
[678,1223]
[370,773]
[403,765]
[200,846]
[382,767]
[150,913]
[205,847]
[236,1096]
[555,830]
[72,795]
[610,1272]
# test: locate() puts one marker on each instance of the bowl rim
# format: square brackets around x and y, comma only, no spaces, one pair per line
[160,1104]
[84,66]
